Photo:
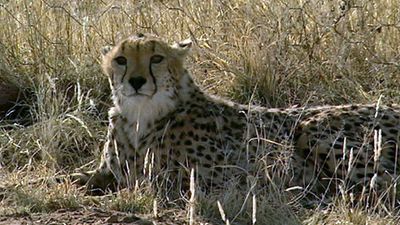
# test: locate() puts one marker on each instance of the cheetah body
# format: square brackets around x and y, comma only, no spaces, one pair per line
[163,125]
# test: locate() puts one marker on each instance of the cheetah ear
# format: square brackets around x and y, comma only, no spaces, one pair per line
[183,47]
[104,50]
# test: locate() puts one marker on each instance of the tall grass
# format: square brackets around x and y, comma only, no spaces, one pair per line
[275,53]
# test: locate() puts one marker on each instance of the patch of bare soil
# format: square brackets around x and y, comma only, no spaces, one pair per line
[93,216]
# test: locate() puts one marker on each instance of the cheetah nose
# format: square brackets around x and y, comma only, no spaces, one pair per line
[137,82]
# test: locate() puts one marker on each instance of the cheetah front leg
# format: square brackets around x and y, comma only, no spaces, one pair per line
[107,176]
[96,181]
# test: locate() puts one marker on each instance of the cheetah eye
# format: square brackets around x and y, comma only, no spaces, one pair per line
[121,60]
[156,59]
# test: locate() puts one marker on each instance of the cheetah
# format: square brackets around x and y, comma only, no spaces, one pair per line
[163,124]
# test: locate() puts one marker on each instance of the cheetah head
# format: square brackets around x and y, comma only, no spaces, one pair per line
[144,71]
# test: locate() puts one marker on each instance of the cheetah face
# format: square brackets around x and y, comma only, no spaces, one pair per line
[144,68]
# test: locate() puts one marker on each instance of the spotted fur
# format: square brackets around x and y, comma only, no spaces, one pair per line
[171,124]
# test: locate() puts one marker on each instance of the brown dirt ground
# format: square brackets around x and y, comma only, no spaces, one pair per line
[93,216]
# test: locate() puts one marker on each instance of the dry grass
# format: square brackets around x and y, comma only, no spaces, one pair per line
[315,52]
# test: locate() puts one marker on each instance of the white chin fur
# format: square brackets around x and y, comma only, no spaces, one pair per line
[141,110]
[128,92]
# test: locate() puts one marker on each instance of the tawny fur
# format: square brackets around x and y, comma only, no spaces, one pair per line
[173,124]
